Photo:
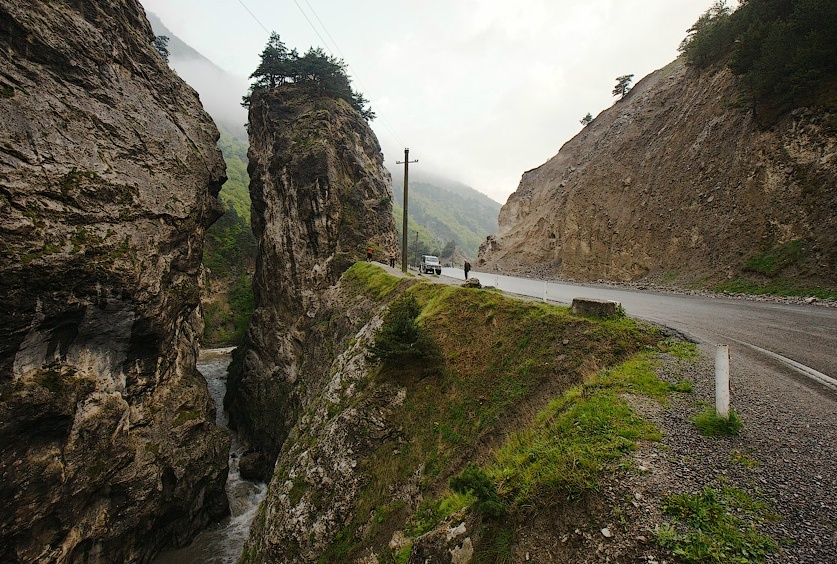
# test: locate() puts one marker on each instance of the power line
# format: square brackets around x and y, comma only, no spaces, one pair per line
[253,15]
[342,57]
[383,119]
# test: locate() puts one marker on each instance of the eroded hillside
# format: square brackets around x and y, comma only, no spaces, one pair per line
[677,182]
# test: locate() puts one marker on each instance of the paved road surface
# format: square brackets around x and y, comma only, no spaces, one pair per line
[795,341]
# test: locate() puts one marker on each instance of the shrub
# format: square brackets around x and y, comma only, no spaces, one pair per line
[401,338]
[475,481]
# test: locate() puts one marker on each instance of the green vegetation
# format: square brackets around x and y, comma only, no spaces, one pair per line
[184,416]
[779,287]
[322,72]
[772,262]
[236,190]
[400,337]
[474,481]
[230,253]
[501,360]
[785,52]
[711,425]
[576,436]
[443,215]
[715,526]
[774,271]
[227,321]
[161,44]
[623,85]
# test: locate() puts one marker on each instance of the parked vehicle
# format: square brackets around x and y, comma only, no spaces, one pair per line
[430,264]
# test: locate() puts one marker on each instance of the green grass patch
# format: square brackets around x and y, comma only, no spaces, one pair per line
[710,424]
[184,416]
[371,278]
[562,453]
[773,261]
[572,441]
[680,349]
[715,526]
[497,356]
[744,459]
[779,287]
[498,546]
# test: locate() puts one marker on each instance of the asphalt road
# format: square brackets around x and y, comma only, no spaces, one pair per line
[783,340]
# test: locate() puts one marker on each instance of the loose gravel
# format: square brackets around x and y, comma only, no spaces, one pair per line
[785,455]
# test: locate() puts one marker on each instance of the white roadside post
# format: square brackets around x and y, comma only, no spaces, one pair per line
[544,290]
[722,381]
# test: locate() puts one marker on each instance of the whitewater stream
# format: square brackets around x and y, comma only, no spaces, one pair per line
[222,542]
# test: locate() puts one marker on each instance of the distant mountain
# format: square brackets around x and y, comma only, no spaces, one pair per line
[219,90]
[443,210]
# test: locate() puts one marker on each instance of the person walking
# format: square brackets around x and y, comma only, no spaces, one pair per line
[369,253]
[392,258]
[467,268]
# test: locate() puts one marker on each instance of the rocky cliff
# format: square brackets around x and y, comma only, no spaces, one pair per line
[677,181]
[108,180]
[320,195]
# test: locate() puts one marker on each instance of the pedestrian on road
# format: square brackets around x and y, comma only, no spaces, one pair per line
[467,268]
[369,253]
[392,258]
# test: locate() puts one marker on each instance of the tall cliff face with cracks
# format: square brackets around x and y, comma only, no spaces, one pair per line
[320,195]
[678,180]
[108,180]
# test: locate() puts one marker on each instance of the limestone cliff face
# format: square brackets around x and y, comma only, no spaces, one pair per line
[320,195]
[677,179]
[108,180]
[323,465]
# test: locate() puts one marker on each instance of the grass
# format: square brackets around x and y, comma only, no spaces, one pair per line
[715,526]
[710,424]
[773,261]
[578,435]
[371,278]
[778,287]
[499,355]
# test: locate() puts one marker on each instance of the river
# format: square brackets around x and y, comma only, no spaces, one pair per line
[222,543]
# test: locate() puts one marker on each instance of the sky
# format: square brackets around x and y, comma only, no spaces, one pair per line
[480,91]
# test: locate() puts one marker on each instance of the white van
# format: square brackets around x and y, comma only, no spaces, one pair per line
[430,264]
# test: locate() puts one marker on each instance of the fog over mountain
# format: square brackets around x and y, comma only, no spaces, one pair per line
[219,90]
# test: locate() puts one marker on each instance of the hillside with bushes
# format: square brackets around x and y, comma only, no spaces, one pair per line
[230,254]
[451,219]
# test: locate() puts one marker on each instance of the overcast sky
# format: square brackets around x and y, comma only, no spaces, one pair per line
[479,90]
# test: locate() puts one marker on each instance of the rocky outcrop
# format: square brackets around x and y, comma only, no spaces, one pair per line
[108,180]
[325,462]
[677,180]
[320,195]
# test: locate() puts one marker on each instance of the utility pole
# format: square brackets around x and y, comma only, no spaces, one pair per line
[406,162]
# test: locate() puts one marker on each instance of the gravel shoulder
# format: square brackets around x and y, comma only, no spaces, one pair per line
[785,455]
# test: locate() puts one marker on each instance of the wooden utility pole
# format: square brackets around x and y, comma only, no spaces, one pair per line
[406,162]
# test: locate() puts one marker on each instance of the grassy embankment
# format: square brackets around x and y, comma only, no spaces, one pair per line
[522,410]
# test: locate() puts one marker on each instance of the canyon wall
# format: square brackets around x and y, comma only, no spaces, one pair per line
[109,176]
[679,182]
[320,195]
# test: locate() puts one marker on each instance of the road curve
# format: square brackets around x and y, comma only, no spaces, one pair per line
[784,340]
